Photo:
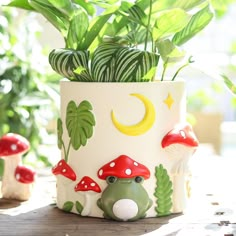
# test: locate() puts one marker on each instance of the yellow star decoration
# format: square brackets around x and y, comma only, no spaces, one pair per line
[169,101]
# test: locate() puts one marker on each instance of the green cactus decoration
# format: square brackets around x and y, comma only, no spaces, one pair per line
[163,191]
[79,123]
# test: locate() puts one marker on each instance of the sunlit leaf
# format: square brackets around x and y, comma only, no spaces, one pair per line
[197,23]
[169,22]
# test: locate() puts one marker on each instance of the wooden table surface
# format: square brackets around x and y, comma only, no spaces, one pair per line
[211,211]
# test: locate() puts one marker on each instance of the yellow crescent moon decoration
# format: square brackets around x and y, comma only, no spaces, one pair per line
[141,127]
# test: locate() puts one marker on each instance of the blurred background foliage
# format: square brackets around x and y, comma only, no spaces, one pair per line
[28,88]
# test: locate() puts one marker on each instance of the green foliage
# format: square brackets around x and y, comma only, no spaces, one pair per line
[67,61]
[163,191]
[79,123]
[27,90]
[141,22]
[231,86]
[113,63]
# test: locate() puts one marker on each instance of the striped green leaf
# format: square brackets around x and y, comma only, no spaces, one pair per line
[115,63]
[67,61]
[196,24]
[229,83]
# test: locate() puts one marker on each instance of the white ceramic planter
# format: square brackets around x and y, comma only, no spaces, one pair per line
[147,177]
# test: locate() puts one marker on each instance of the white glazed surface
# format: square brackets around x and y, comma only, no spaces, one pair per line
[107,143]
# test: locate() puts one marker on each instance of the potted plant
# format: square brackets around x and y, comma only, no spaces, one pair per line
[125,145]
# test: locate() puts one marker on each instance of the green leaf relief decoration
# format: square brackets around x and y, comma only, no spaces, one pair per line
[79,207]
[163,191]
[68,206]
[79,123]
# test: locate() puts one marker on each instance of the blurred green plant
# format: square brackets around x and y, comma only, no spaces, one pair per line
[28,90]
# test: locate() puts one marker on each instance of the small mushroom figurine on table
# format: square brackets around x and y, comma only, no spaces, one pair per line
[17,179]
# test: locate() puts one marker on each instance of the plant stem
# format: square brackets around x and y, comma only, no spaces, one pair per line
[177,72]
[148,25]
[64,149]
[67,153]
[164,69]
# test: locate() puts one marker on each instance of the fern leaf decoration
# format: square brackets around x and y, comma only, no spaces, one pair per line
[163,191]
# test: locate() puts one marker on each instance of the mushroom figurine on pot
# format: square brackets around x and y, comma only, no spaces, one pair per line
[17,179]
[89,188]
[124,199]
[66,176]
[180,143]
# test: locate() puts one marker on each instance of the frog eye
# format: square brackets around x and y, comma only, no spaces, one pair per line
[138,179]
[111,179]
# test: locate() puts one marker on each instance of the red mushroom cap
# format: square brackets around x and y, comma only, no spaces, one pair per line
[181,134]
[123,167]
[87,184]
[24,174]
[62,168]
[11,144]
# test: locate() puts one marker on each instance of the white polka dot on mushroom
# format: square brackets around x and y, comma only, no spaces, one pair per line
[13,147]
[128,171]
[135,163]
[112,164]
[17,176]
[100,172]
[92,184]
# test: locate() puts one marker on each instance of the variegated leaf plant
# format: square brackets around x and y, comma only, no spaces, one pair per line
[161,26]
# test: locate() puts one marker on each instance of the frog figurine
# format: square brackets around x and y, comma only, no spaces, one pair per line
[124,199]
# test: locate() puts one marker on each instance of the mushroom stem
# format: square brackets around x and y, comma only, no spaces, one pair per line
[179,193]
[87,205]
[11,188]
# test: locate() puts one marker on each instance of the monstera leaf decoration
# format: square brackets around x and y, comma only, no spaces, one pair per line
[79,123]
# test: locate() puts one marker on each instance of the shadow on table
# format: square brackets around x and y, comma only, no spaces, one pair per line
[9,203]
[51,221]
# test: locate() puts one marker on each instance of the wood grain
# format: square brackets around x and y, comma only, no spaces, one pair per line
[211,211]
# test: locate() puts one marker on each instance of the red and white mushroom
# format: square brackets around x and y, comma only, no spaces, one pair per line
[12,147]
[123,167]
[24,175]
[87,187]
[63,169]
[180,143]
[65,178]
